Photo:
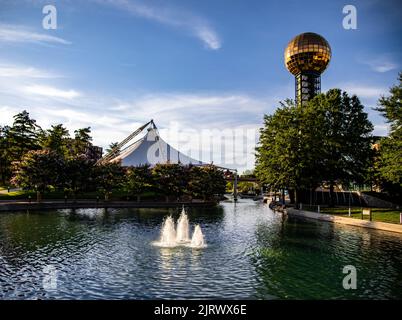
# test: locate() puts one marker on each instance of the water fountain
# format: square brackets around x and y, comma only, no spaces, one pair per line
[197,241]
[171,237]
[168,234]
[183,228]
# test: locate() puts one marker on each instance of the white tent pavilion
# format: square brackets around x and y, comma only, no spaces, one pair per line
[151,149]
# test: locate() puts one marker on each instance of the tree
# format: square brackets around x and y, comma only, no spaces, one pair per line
[283,157]
[197,182]
[206,182]
[326,140]
[23,135]
[78,174]
[5,155]
[138,180]
[345,134]
[390,166]
[246,187]
[82,140]
[38,170]
[113,147]
[56,139]
[217,182]
[171,179]
[108,176]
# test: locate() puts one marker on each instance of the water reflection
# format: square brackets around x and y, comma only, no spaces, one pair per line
[306,261]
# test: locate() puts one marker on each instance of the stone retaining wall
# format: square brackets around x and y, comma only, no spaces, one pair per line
[376,202]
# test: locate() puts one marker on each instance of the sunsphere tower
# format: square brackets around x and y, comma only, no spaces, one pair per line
[306,57]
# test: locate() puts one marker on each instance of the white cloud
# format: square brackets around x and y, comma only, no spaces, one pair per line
[381,63]
[209,37]
[51,92]
[199,118]
[15,71]
[384,66]
[199,110]
[381,130]
[363,91]
[17,33]
[22,84]
[197,26]
[7,112]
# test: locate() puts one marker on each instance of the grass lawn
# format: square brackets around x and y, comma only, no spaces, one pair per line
[378,214]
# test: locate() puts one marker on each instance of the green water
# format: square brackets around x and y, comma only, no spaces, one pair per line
[251,253]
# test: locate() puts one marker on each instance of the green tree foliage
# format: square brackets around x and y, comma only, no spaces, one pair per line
[197,182]
[171,178]
[113,147]
[217,182]
[345,151]
[327,140]
[5,156]
[108,176]
[56,139]
[23,136]
[390,166]
[78,174]
[36,159]
[206,182]
[229,187]
[38,170]
[138,180]
[246,187]
[283,159]
[82,139]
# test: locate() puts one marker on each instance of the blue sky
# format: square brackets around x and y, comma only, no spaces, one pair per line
[193,65]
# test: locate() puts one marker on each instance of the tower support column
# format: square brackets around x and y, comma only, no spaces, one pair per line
[307,86]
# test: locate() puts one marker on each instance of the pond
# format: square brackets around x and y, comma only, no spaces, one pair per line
[251,253]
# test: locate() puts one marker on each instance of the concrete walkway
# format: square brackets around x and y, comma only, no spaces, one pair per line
[5,191]
[392,227]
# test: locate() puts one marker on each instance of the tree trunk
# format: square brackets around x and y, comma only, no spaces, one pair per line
[291,196]
[167,198]
[297,198]
[38,196]
[106,196]
[138,198]
[283,196]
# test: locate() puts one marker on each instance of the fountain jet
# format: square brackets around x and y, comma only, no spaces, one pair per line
[168,234]
[197,241]
[172,238]
[183,228]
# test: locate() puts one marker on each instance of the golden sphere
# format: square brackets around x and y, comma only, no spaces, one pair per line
[307,52]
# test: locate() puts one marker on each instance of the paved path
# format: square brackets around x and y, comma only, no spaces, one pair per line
[5,191]
[393,227]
